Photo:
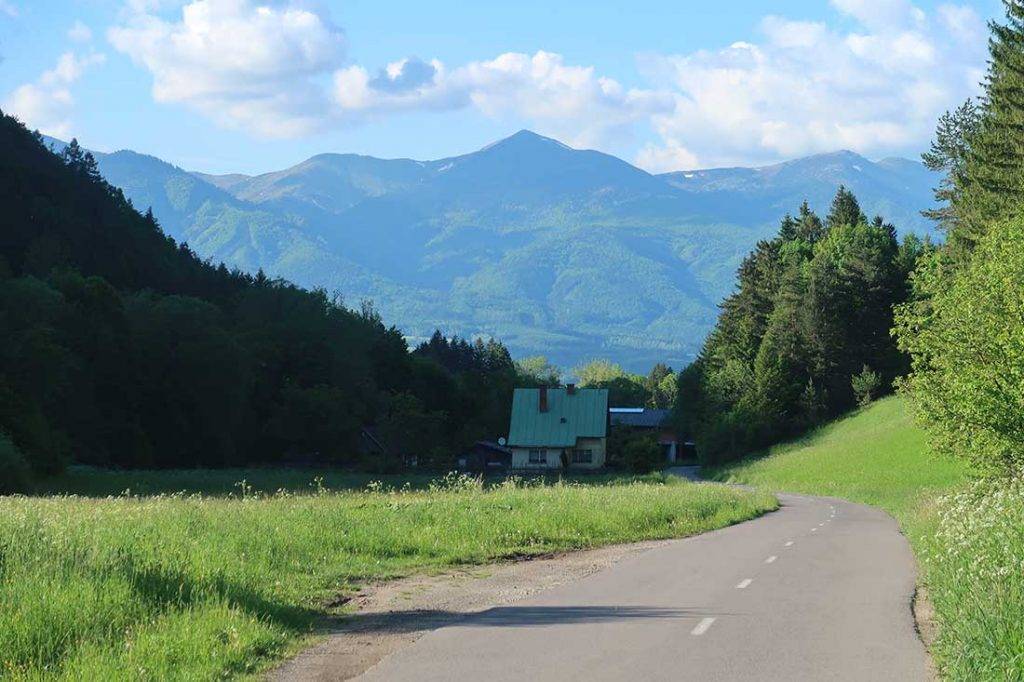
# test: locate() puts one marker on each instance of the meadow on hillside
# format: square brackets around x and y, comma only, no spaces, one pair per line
[187,586]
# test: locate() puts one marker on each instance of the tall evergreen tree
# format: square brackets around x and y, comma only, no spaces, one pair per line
[992,185]
[845,209]
[948,155]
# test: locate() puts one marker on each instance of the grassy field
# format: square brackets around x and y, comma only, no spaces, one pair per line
[968,535]
[92,482]
[187,586]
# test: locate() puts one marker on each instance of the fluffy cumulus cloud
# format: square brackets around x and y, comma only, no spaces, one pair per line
[278,68]
[265,67]
[246,64]
[570,101]
[47,103]
[806,87]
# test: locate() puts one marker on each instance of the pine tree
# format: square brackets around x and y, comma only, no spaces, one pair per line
[845,209]
[948,154]
[993,183]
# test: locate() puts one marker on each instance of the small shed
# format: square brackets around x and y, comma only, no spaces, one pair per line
[486,456]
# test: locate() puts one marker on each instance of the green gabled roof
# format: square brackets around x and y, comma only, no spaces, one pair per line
[585,416]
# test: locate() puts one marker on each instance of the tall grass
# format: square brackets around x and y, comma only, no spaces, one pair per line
[975,563]
[193,587]
[968,536]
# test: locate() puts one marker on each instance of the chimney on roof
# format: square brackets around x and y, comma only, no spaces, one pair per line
[543,398]
[570,389]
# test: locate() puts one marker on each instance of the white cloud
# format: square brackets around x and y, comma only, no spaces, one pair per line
[47,103]
[276,68]
[809,88]
[79,33]
[882,14]
[669,156]
[245,64]
[568,101]
[9,8]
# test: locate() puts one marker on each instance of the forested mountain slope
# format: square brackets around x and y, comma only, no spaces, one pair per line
[564,252]
[121,347]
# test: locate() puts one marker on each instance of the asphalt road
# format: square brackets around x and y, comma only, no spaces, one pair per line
[819,590]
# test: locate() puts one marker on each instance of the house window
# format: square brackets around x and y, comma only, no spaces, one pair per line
[538,457]
[582,456]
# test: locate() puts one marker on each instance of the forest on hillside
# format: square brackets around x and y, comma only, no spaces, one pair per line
[832,313]
[806,334]
[123,348]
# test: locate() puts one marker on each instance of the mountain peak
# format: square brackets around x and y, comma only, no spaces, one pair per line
[525,138]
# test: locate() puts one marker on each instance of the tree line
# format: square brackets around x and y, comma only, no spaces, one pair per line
[963,327]
[120,347]
[806,334]
[832,313]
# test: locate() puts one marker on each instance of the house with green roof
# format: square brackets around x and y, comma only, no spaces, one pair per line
[554,428]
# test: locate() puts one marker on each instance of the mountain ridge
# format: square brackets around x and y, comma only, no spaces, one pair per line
[568,253]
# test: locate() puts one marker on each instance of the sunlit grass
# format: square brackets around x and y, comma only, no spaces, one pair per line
[876,456]
[968,537]
[197,587]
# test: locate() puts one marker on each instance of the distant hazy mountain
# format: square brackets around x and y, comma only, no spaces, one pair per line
[894,188]
[573,254]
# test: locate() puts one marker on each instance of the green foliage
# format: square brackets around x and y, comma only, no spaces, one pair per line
[962,328]
[980,148]
[876,456]
[949,154]
[813,307]
[972,562]
[866,385]
[844,210]
[537,371]
[598,372]
[196,588]
[966,338]
[121,347]
[657,389]
[15,476]
[642,454]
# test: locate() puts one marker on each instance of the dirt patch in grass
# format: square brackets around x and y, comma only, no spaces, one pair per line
[924,623]
[390,615]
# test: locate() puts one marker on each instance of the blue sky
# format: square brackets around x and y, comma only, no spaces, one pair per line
[255,85]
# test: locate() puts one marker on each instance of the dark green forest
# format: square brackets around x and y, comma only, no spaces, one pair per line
[833,313]
[806,334]
[120,347]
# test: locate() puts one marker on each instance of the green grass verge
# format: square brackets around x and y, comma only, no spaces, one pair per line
[875,456]
[968,536]
[197,587]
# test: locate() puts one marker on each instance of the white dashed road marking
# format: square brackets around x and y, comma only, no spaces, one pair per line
[702,627]
[744,584]
[789,544]
[770,559]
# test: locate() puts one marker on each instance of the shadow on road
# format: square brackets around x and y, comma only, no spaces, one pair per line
[507,616]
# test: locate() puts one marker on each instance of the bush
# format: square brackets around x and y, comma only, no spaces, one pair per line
[866,385]
[14,471]
[966,339]
[642,454]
